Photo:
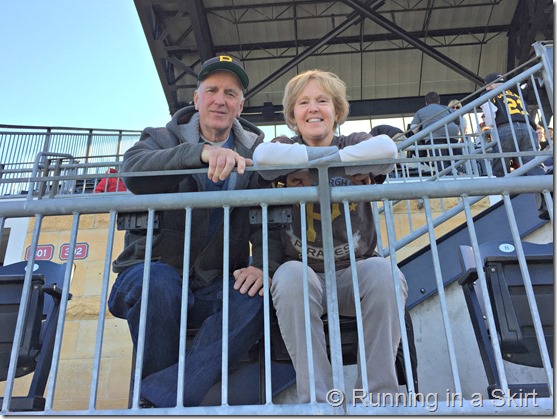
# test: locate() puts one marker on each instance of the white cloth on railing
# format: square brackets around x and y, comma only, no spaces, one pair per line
[347,149]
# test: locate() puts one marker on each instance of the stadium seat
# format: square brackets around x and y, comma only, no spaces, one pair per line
[511,311]
[349,345]
[39,328]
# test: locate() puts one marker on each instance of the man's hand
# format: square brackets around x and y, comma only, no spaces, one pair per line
[300,177]
[222,161]
[249,280]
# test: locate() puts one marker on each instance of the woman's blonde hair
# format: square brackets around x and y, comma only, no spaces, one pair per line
[329,82]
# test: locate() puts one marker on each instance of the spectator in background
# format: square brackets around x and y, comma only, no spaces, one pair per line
[111,184]
[545,144]
[396,134]
[483,133]
[501,112]
[455,105]
[430,114]
[542,138]
[392,132]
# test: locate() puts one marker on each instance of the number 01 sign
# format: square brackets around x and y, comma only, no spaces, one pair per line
[43,252]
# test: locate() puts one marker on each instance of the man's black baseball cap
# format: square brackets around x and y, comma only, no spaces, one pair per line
[491,77]
[223,62]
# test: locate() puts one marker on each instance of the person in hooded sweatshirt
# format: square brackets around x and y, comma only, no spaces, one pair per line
[315,104]
[210,134]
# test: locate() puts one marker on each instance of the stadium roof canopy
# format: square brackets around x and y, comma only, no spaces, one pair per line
[389,53]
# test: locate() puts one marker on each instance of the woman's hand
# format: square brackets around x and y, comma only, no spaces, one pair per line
[360,179]
[299,178]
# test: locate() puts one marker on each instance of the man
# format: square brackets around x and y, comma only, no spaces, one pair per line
[509,116]
[545,144]
[428,115]
[502,111]
[208,134]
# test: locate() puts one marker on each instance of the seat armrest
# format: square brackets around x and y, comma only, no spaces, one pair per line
[468,264]
[55,291]
[467,277]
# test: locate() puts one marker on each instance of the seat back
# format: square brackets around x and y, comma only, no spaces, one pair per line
[39,328]
[349,340]
[53,275]
[11,289]
[513,317]
[349,345]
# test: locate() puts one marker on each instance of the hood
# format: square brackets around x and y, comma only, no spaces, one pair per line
[244,131]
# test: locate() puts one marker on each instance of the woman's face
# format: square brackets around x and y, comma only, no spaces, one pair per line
[315,116]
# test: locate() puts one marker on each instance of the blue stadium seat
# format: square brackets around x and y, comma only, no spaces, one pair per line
[39,329]
[511,311]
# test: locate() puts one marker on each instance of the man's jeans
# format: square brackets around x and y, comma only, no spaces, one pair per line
[204,355]
[524,135]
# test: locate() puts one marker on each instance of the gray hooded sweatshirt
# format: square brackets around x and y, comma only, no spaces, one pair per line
[178,147]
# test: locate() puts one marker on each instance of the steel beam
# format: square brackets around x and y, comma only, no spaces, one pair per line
[387,24]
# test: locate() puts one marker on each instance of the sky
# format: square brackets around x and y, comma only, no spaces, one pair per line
[78,64]
[82,64]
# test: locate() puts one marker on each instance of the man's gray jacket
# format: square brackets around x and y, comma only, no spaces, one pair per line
[178,147]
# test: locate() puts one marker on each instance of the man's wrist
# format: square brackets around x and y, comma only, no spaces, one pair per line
[204,156]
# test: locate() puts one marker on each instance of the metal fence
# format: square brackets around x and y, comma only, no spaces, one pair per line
[79,160]
[76,207]
[56,184]
[20,146]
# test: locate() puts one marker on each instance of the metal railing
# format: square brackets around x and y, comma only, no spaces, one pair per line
[56,184]
[20,145]
[76,207]
[91,153]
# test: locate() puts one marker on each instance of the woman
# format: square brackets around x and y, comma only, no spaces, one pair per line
[455,105]
[315,105]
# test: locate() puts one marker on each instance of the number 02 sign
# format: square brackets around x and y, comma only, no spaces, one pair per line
[80,252]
